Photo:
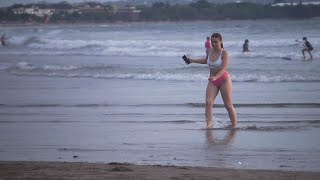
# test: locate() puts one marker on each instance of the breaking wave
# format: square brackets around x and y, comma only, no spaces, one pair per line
[118,72]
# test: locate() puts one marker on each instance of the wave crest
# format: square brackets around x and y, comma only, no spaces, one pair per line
[194,74]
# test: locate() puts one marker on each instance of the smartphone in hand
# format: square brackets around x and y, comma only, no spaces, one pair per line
[186,60]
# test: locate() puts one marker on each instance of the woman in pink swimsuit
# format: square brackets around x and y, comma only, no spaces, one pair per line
[219,80]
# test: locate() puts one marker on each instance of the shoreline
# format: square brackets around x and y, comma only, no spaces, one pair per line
[89,23]
[84,170]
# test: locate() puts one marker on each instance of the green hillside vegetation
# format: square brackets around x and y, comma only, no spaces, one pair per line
[201,10]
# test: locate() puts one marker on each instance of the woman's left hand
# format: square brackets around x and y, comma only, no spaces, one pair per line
[212,78]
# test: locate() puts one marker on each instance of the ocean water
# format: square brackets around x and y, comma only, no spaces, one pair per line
[121,92]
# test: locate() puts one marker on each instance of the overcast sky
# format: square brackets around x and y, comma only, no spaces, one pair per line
[11,2]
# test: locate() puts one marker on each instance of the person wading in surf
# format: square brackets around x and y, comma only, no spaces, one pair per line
[219,80]
[3,40]
[208,46]
[245,46]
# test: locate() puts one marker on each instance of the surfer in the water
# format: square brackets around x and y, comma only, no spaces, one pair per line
[219,79]
[307,47]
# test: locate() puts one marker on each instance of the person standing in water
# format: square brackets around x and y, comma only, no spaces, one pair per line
[3,40]
[307,47]
[208,46]
[219,80]
[245,47]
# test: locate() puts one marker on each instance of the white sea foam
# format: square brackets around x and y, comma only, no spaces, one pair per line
[113,72]
[25,66]
[56,67]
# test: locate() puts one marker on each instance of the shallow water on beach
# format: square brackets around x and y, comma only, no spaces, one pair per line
[65,104]
[57,121]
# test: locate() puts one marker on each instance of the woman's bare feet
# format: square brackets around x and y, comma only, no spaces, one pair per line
[209,126]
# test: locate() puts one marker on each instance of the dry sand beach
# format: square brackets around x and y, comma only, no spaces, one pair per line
[80,170]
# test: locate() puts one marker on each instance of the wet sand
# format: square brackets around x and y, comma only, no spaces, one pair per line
[81,170]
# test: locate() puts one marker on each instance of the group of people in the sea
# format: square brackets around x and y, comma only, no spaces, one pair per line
[245,47]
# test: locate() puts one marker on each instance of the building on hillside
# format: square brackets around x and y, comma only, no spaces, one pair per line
[88,9]
[295,4]
[128,13]
[34,10]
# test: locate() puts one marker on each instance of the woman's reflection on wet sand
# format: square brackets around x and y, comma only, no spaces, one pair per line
[228,138]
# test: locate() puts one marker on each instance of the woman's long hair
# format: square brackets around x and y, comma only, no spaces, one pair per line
[217,35]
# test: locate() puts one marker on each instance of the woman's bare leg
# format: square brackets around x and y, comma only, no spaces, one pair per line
[226,93]
[211,94]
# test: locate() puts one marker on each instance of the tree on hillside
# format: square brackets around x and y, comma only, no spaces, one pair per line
[201,4]
[279,1]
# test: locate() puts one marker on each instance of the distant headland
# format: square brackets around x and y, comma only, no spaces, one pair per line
[95,12]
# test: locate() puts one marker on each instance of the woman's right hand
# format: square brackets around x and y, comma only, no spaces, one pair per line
[187,61]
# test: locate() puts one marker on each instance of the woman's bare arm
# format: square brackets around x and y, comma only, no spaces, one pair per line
[199,61]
